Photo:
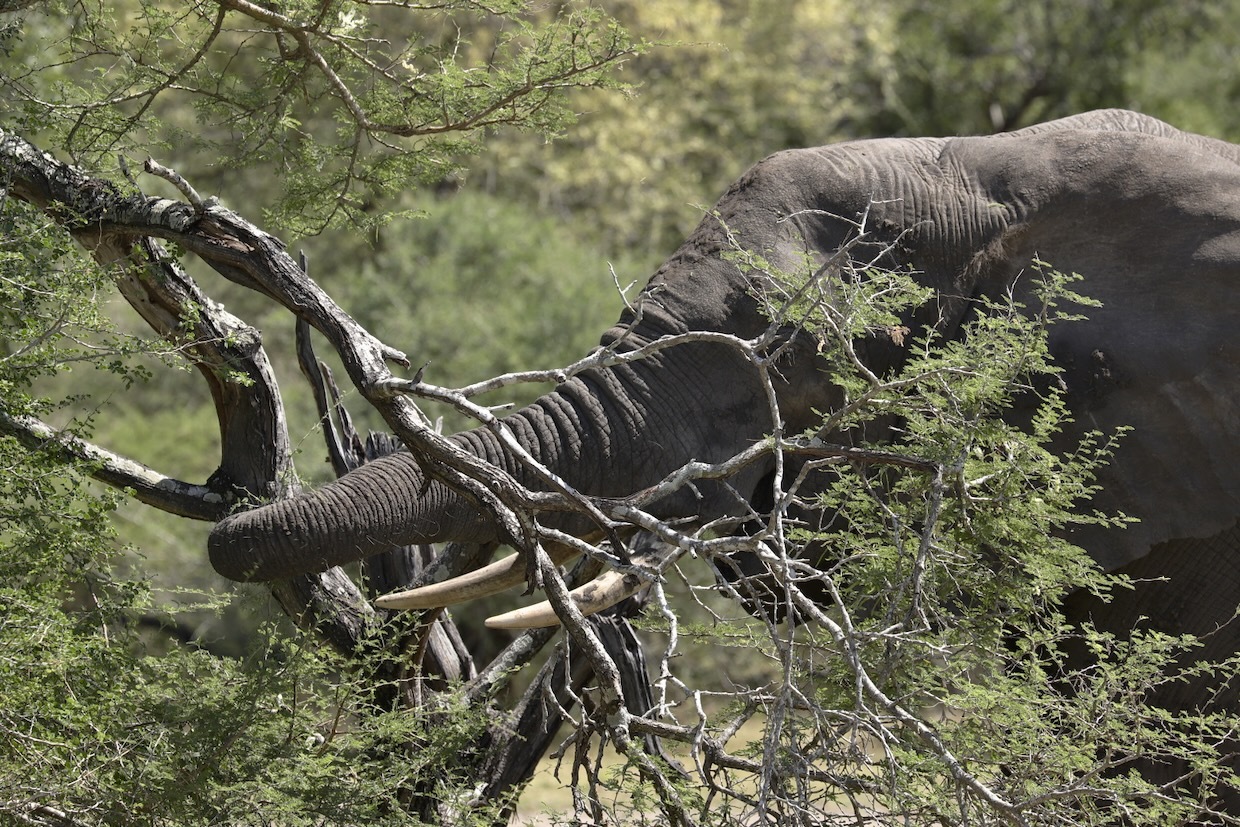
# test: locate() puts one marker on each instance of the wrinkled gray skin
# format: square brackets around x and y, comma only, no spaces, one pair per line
[1148,214]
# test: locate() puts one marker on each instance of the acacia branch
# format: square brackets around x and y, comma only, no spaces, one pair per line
[107,222]
[120,233]
[490,114]
[117,230]
[184,499]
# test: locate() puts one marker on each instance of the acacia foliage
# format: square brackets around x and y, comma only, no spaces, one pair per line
[104,717]
[334,105]
[919,664]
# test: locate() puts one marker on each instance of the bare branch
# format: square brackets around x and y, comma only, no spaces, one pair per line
[149,486]
[177,180]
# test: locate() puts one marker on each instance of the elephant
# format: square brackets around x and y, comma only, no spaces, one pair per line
[1150,215]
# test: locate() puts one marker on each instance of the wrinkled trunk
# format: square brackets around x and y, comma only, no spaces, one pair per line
[607,433]
[366,511]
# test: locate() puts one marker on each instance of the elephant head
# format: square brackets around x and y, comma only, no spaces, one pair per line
[1148,214]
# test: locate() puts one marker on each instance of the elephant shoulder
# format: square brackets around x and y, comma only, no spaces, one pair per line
[1135,123]
[1102,120]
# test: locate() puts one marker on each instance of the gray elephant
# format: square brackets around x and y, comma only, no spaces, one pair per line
[1149,214]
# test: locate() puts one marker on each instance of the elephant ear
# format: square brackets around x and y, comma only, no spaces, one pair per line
[1152,223]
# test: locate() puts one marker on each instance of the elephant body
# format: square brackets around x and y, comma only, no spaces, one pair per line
[1149,215]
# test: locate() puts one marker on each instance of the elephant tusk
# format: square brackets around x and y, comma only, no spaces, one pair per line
[603,592]
[493,579]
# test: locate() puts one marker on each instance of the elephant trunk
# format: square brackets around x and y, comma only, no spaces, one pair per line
[364,512]
[607,433]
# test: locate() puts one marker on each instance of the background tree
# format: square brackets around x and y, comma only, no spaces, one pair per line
[977,67]
[755,76]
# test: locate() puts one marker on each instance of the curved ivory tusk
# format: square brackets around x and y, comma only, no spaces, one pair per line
[603,592]
[488,580]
